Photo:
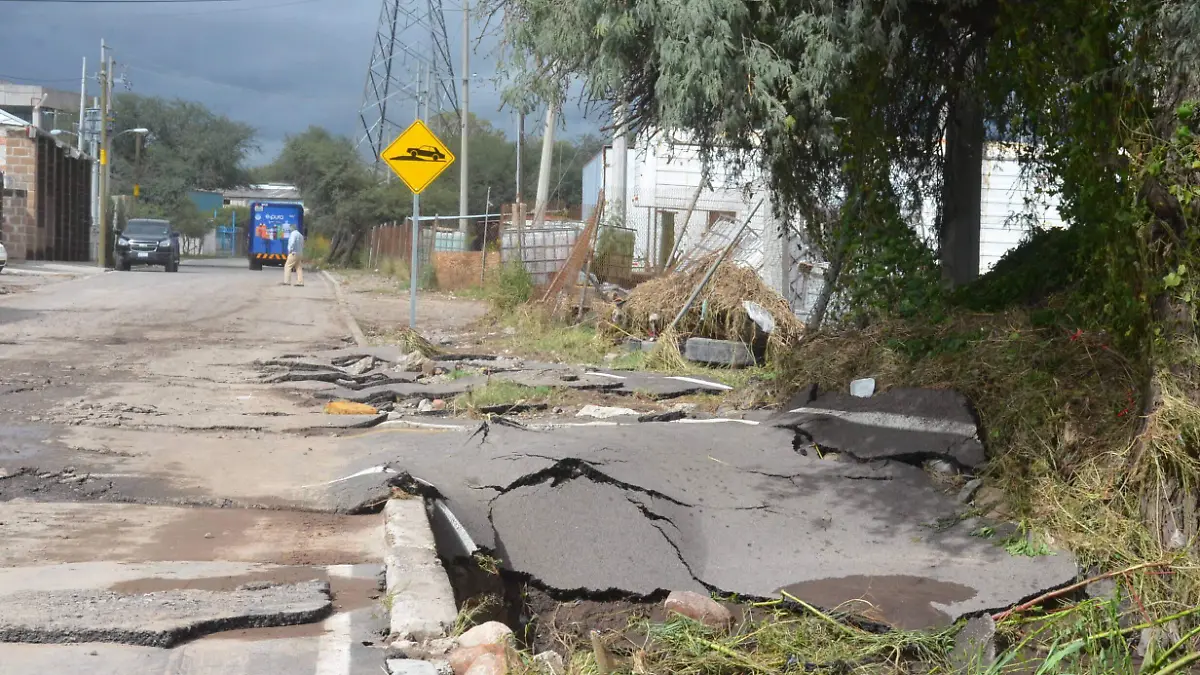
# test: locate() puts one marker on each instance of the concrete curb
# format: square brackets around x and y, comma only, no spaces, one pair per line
[419,599]
[359,337]
[19,270]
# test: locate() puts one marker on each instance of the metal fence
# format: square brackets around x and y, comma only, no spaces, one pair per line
[230,241]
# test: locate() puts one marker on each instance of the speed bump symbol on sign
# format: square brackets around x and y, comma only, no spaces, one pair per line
[417,156]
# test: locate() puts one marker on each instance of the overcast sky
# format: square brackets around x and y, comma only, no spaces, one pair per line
[279,65]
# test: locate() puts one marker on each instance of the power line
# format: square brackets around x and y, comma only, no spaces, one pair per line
[114,2]
[228,10]
[15,78]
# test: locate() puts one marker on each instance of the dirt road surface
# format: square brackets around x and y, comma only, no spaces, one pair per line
[139,453]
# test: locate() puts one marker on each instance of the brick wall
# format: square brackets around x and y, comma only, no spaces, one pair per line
[18,217]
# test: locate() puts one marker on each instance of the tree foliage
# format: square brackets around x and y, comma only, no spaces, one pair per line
[845,105]
[189,147]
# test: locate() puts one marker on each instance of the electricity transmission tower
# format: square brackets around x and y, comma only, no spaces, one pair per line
[410,56]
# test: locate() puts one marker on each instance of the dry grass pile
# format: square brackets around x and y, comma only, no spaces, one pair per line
[718,312]
[411,341]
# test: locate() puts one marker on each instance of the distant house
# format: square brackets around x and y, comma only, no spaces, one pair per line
[262,192]
[41,107]
[663,180]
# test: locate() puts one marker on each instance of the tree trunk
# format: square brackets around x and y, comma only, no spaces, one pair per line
[1169,505]
[831,277]
[962,185]
[344,245]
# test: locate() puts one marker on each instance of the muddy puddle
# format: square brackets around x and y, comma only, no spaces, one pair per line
[904,602]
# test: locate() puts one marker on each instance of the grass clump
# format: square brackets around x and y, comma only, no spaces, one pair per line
[397,269]
[501,392]
[511,287]
[533,332]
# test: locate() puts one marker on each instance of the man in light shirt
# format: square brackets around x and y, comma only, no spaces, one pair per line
[295,250]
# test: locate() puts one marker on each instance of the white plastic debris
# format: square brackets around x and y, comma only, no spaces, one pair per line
[864,388]
[759,315]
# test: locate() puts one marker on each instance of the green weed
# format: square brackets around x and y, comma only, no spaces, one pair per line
[499,392]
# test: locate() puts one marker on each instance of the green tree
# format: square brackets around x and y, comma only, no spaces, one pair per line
[189,147]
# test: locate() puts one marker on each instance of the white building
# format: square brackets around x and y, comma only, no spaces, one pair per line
[662,180]
[263,192]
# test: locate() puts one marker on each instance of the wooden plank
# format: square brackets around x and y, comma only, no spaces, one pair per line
[579,254]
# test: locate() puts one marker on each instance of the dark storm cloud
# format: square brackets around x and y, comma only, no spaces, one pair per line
[278,65]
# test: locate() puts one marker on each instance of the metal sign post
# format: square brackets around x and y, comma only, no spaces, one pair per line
[418,157]
[416,257]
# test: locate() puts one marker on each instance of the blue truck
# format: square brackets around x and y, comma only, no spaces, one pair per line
[267,233]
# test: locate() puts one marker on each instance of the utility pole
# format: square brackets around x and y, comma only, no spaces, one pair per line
[466,117]
[543,184]
[105,76]
[520,142]
[94,152]
[620,164]
[82,104]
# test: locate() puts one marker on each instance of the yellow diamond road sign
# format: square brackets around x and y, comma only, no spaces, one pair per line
[417,156]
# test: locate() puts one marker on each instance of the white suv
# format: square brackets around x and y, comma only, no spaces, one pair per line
[3,257]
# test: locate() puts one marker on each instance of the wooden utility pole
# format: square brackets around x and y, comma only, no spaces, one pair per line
[105,76]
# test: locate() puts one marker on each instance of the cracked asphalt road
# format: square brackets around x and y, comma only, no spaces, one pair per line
[640,509]
[139,452]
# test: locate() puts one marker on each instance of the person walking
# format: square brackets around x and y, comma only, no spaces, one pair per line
[295,259]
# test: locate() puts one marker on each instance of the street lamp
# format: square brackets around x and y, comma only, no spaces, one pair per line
[60,132]
[137,160]
[105,144]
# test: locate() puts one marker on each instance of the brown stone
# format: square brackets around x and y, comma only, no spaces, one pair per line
[462,658]
[490,633]
[489,664]
[699,608]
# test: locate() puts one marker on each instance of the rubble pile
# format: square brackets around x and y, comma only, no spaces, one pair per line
[722,311]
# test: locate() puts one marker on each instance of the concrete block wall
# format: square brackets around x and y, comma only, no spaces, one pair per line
[18,163]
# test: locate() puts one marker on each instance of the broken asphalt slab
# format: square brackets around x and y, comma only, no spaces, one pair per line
[905,424]
[337,375]
[659,386]
[158,619]
[647,508]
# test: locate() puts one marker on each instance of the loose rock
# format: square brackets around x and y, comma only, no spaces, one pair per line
[975,645]
[489,664]
[968,491]
[699,608]
[361,366]
[410,667]
[550,663]
[463,658]
[427,650]
[425,406]
[490,633]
